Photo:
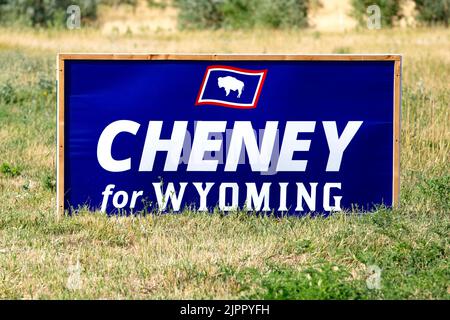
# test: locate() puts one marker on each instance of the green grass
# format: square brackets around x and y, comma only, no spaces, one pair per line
[198,255]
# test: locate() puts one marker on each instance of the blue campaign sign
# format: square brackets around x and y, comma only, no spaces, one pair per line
[269,133]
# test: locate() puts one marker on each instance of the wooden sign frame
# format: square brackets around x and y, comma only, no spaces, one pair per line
[62,57]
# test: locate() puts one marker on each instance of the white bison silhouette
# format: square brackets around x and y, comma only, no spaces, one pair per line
[231,84]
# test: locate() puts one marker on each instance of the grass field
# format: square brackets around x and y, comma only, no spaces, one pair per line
[193,255]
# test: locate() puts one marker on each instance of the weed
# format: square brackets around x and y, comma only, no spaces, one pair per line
[10,170]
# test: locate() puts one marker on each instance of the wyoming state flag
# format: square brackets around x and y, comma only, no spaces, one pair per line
[231,87]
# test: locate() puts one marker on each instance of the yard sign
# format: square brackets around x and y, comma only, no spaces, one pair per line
[268,133]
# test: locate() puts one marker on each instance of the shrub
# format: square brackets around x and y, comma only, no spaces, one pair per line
[282,14]
[433,11]
[44,13]
[157,4]
[237,14]
[390,10]
[242,13]
[199,14]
